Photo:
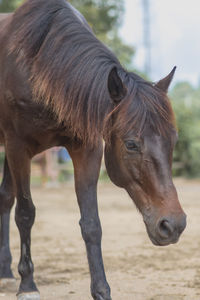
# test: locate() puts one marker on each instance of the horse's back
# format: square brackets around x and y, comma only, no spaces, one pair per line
[4,21]
[4,16]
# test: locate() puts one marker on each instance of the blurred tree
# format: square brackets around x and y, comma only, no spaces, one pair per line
[105,17]
[8,5]
[186,104]
[102,15]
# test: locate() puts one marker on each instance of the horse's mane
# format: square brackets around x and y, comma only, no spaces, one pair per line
[69,70]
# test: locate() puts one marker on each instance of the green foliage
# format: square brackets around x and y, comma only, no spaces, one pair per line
[105,16]
[9,5]
[102,15]
[186,103]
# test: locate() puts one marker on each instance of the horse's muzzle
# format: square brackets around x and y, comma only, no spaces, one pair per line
[167,230]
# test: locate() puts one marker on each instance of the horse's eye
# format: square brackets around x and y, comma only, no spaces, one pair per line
[131,145]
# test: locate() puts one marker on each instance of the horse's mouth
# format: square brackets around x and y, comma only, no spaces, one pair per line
[161,243]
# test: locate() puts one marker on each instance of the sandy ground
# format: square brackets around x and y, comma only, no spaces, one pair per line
[136,270]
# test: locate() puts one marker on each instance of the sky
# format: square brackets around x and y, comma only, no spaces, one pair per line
[175,37]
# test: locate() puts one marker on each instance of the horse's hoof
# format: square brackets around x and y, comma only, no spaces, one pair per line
[99,297]
[29,296]
[8,284]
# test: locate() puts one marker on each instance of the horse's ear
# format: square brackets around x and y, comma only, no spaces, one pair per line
[164,83]
[116,87]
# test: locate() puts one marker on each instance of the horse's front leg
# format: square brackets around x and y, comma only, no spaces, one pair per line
[6,203]
[19,163]
[87,167]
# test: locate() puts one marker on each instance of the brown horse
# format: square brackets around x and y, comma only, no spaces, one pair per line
[60,86]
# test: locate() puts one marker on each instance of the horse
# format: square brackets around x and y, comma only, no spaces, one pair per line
[61,86]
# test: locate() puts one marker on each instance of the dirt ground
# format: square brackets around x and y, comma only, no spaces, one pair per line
[136,270]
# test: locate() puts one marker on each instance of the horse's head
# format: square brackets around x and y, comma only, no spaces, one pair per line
[138,156]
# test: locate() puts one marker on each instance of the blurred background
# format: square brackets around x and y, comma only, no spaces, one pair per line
[149,37]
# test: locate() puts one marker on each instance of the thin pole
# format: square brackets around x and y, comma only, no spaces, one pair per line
[147,36]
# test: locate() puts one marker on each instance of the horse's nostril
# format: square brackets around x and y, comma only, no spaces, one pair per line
[165,228]
[168,229]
